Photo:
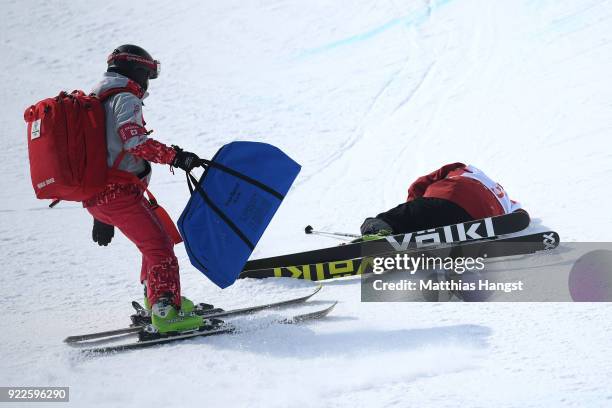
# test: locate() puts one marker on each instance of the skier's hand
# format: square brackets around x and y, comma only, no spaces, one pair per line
[102,233]
[375,226]
[185,160]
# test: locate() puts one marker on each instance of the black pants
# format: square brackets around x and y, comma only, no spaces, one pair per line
[423,213]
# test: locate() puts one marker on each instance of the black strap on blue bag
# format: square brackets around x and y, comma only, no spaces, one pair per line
[262,186]
[196,185]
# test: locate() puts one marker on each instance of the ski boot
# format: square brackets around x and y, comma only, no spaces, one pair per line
[372,237]
[166,319]
[199,308]
[142,317]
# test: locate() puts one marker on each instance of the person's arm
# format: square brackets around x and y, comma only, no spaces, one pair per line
[134,135]
[418,188]
[153,151]
[157,152]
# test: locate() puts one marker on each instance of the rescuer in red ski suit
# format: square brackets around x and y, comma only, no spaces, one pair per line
[130,149]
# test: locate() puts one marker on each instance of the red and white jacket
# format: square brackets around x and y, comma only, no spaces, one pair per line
[126,135]
[466,186]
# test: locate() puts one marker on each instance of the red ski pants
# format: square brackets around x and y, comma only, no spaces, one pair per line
[133,215]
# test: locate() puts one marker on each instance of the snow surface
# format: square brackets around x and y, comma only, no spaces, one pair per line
[366,95]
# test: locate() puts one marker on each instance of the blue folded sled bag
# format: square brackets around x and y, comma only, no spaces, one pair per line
[231,206]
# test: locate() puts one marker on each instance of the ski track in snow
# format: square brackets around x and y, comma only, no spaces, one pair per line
[366,98]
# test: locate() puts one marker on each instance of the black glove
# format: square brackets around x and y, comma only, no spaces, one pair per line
[185,160]
[375,226]
[102,233]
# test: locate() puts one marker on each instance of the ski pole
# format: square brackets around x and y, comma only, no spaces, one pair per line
[310,230]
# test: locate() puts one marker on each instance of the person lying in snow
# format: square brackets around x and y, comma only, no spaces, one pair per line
[452,194]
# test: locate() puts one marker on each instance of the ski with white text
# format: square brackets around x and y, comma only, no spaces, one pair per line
[493,248]
[485,228]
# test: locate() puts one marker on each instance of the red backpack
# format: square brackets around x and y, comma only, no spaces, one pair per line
[67,149]
[67,145]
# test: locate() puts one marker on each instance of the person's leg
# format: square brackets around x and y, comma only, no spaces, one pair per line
[423,213]
[137,221]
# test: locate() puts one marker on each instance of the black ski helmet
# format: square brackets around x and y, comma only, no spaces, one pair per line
[135,63]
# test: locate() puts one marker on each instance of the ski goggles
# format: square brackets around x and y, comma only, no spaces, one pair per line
[154,66]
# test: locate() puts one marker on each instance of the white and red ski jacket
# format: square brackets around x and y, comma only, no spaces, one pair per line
[466,186]
[126,134]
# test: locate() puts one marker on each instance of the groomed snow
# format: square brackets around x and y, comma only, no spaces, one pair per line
[366,95]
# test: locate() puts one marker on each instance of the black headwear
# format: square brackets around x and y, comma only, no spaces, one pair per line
[135,63]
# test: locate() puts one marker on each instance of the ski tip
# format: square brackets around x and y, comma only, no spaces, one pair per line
[328,309]
[314,292]
[308,229]
[313,315]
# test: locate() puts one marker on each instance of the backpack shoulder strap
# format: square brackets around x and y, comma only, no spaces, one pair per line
[131,87]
